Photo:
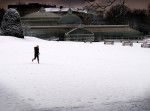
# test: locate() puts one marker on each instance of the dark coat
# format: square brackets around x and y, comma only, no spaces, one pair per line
[36,50]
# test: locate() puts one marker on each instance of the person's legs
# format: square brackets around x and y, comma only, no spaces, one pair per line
[34,57]
[38,58]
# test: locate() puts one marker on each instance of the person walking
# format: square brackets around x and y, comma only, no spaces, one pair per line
[36,53]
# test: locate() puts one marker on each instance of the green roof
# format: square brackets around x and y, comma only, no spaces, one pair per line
[41,14]
[79,31]
[70,18]
[113,30]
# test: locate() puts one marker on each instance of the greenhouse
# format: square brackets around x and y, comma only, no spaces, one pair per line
[70,18]
[79,34]
[102,32]
[70,27]
[41,18]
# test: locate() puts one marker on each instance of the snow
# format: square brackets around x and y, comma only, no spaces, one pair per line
[73,76]
[64,9]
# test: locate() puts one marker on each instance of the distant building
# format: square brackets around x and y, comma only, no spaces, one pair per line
[70,18]
[25,9]
[64,10]
[47,24]
[41,18]
[79,34]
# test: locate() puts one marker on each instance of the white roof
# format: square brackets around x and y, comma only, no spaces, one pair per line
[57,9]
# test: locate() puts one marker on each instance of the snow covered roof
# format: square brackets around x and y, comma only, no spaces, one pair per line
[57,9]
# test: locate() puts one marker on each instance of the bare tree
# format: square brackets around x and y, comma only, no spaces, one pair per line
[148,8]
[140,21]
[97,7]
[118,15]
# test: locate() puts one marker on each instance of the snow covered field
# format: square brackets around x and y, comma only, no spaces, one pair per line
[73,76]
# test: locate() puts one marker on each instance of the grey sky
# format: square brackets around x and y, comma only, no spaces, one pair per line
[79,3]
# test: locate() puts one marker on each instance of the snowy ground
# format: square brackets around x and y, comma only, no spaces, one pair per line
[73,76]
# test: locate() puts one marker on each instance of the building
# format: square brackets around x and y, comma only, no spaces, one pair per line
[45,24]
[69,19]
[41,18]
[79,34]
[64,10]
[25,9]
